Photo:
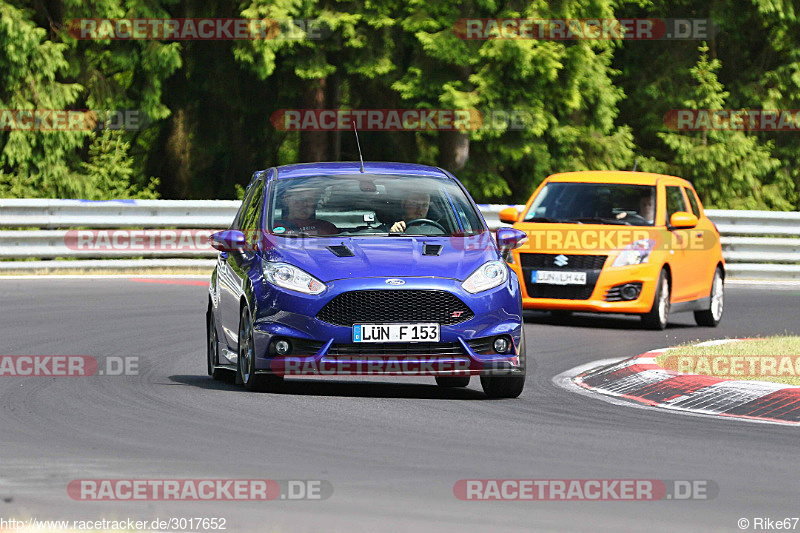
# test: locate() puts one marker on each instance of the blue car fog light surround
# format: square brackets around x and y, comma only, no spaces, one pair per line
[292,278]
[636,253]
[487,276]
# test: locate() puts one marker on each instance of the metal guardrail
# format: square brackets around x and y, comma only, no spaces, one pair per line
[773,223]
[759,244]
[47,214]
[176,266]
[756,244]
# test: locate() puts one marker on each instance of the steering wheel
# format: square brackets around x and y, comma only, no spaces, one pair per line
[635,217]
[423,221]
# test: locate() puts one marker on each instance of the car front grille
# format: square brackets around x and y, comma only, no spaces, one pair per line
[560,292]
[395,306]
[399,348]
[574,262]
[482,345]
[591,264]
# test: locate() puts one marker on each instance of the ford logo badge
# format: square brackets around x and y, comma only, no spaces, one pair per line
[395,281]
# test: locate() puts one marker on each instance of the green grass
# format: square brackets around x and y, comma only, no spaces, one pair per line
[775,359]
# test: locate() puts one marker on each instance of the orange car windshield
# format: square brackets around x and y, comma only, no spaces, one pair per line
[594,203]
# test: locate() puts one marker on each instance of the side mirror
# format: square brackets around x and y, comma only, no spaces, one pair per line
[228,240]
[682,220]
[510,239]
[509,215]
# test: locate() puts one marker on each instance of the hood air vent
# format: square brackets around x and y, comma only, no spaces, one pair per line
[340,250]
[431,249]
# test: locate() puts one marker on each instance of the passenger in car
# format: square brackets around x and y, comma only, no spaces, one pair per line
[300,214]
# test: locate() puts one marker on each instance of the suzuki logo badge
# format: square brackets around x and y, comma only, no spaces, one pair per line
[561,260]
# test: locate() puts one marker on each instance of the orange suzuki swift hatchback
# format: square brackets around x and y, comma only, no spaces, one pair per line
[619,242]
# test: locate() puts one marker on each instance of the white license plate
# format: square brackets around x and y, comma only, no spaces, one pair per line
[558,278]
[396,333]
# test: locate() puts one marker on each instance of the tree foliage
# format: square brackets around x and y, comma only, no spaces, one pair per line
[588,104]
[727,167]
[52,71]
[34,162]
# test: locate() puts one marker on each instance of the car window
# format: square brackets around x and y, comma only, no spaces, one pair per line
[240,215]
[253,210]
[367,204]
[598,203]
[692,201]
[675,201]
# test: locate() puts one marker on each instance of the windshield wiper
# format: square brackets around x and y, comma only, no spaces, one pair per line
[602,220]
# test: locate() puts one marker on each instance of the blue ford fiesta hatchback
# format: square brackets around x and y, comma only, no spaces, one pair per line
[335,269]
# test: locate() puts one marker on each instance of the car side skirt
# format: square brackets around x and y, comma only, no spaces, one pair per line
[691,305]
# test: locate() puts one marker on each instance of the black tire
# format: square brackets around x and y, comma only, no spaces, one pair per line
[710,317]
[450,382]
[658,316]
[212,348]
[246,360]
[507,386]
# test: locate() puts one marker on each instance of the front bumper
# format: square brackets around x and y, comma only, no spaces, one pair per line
[608,278]
[289,315]
[469,364]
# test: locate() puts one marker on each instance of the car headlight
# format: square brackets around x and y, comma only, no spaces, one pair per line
[636,253]
[488,275]
[292,278]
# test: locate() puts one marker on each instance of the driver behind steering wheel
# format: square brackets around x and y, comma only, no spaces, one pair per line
[414,206]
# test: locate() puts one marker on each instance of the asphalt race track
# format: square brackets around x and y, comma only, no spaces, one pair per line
[391,448]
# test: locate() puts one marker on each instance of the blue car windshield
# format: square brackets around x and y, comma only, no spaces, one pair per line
[594,203]
[374,205]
